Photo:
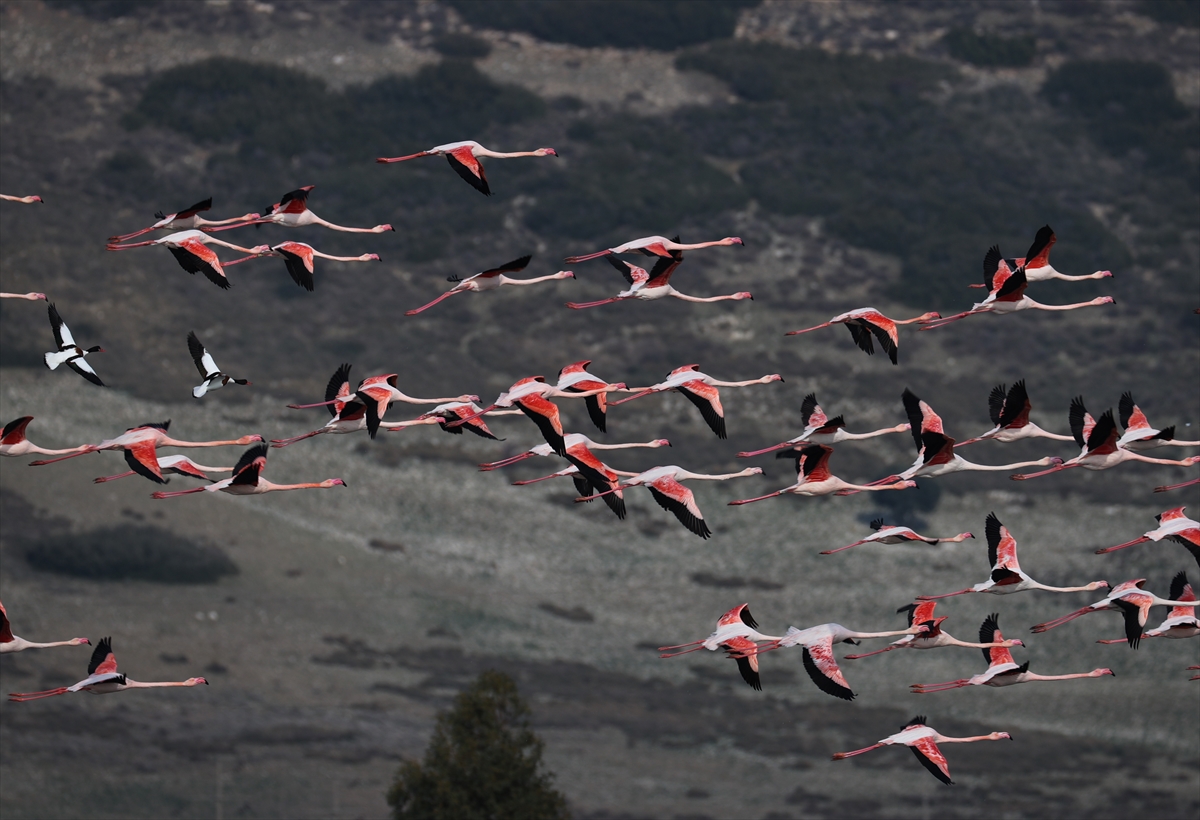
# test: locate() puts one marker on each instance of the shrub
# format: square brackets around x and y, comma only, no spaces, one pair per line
[462,46]
[483,762]
[663,25]
[989,49]
[131,552]
[1172,12]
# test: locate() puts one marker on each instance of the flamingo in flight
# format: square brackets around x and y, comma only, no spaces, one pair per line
[291,211]
[247,479]
[464,159]
[14,443]
[213,377]
[444,414]
[139,444]
[921,612]
[185,220]
[1173,525]
[575,378]
[655,246]
[817,642]
[68,352]
[935,449]
[1006,576]
[864,322]
[25,200]
[664,485]
[701,390]
[924,744]
[654,285]
[11,643]
[532,395]
[298,257]
[1098,438]
[1139,435]
[572,440]
[1166,488]
[1002,669]
[1131,600]
[1008,408]
[190,249]
[737,634]
[1181,621]
[103,678]
[349,410]
[892,534]
[490,280]
[1037,262]
[1007,294]
[813,478]
[179,465]
[820,429]
[28,297]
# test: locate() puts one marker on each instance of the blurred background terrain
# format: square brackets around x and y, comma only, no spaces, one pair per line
[867,153]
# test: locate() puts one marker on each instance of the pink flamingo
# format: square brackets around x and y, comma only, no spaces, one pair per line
[298,257]
[664,485]
[575,378]
[1098,438]
[247,479]
[29,297]
[444,414]
[291,211]
[11,643]
[892,534]
[813,478]
[103,678]
[655,246]
[653,285]
[1181,621]
[701,390]
[490,280]
[863,322]
[1131,600]
[1009,411]
[464,159]
[190,249]
[1006,576]
[921,612]
[572,440]
[820,429]
[25,200]
[139,444]
[14,443]
[737,634]
[68,352]
[923,741]
[817,642]
[1002,669]
[1008,293]
[1037,262]
[1139,435]
[532,395]
[1173,525]
[179,465]
[187,219]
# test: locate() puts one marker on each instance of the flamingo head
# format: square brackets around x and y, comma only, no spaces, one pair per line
[38,297]
[661,442]
[1051,461]
[382,229]
[263,250]
[999,736]
[466,398]
[78,641]
[965,535]
[1099,673]
[773,377]
[334,482]
[745,294]
[545,152]
[565,274]
[253,439]
[1014,642]
[753,471]
[1103,274]
[929,317]
[1097,585]
[1190,460]
[909,484]
[195,682]
[1104,300]
[733,240]
[371,257]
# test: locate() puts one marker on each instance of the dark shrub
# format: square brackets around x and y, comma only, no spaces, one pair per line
[990,49]
[664,25]
[131,552]
[462,46]
[1172,12]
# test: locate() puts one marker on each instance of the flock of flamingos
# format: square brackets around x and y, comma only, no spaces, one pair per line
[1102,443]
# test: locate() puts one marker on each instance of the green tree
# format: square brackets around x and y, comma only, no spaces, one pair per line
[483,762]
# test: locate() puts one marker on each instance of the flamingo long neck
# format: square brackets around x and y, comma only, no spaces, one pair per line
[699,245]
[265,486]
[484,152]
[1029,303]
[33,448]
[944,739]
[1032,676]
[687,298]
[21,644]
[684,474]
[314,219]
[504,280]
[167,441]
[137,684]
[366,257]
[651,444]
[972,466]
[891,634]
[882,432]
